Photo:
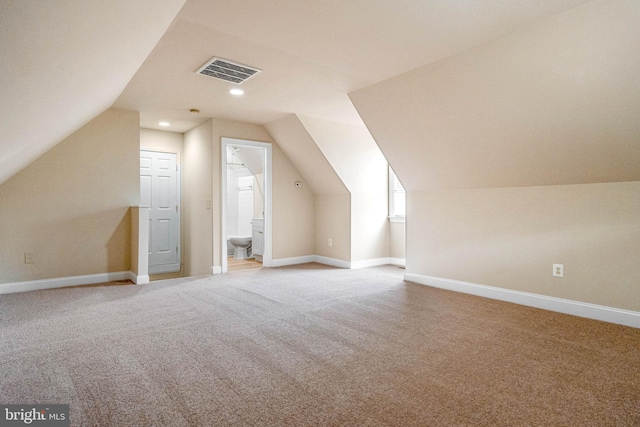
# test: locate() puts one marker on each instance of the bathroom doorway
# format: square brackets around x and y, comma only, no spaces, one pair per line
[246,204]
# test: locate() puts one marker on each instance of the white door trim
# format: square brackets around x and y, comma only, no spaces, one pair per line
[268,171]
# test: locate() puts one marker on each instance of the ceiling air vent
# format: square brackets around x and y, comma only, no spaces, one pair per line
[224,69]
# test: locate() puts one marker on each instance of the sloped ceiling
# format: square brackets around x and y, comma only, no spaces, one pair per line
[557,103]
[352,153]
[294,139]
[250,157]
[66,61]
[313,54]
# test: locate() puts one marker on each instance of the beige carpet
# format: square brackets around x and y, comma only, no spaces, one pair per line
[312,346]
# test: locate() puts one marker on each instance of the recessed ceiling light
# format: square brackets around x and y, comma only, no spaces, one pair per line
[236,92]
[164,123]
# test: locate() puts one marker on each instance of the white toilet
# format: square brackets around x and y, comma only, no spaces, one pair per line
[241,245]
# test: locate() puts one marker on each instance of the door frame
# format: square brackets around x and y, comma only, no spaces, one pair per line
[267,163]
[179,205]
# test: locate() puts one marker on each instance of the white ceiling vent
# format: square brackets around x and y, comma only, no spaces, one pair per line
[224,69]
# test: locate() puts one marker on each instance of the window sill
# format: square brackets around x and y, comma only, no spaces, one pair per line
[397,219]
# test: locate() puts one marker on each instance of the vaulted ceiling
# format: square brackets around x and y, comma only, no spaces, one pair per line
[64,62]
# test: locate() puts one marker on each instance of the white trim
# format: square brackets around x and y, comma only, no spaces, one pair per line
[397,219]
[282,262]
[374,262]
[398,261]
[560,305]
[223,211]
[60,282]
[141,279]
[393,180]
[331,261]
[366,263]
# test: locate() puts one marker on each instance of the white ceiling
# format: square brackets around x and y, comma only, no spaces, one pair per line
[65,61]
[250,157]
[312,53]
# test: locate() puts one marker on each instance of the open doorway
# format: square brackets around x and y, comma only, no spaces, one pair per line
[246,204]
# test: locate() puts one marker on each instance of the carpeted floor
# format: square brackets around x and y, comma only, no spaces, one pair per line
[312,346]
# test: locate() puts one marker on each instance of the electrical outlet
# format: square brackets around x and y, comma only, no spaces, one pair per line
[558,270]
[330,242]
[29,258]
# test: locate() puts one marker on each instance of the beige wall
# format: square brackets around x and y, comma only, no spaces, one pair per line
[522,153]
[341,163]
[510,237]
[71,206]
[293,210]
[556,103]
[361,166]
[397,240]
[162,141]
[333,221]
[369,225]
[331,201]
[198,208]
[292,222]
[299,146]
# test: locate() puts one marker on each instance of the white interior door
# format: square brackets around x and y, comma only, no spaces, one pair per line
[160,191]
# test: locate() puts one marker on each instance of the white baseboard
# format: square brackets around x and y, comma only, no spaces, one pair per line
[282,262]
[336,262]
[365,263]
[60,282]
[216,269]
[560,305]
[398,261]
[141,279]
[331,261]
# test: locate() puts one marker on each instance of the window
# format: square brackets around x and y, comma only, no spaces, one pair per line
[397,198]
